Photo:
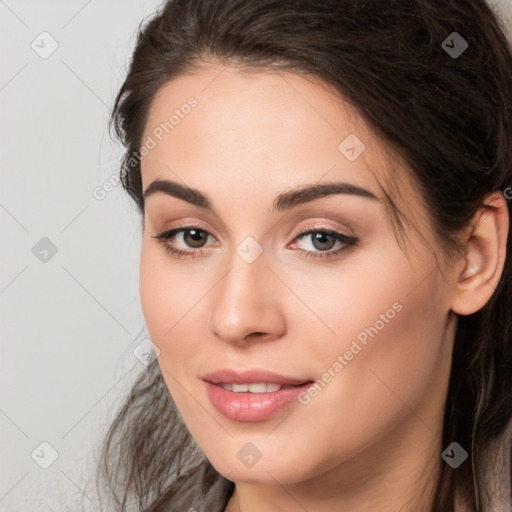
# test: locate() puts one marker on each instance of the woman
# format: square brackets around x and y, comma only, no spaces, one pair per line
[324,190]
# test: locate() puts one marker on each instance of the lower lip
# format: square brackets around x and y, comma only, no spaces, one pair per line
[252,407]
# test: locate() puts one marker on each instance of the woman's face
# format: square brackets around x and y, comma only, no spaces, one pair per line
[313,287]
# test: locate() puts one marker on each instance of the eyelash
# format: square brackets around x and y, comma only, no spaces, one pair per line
[349,242]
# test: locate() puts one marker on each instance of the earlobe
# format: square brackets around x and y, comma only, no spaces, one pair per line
[485,252]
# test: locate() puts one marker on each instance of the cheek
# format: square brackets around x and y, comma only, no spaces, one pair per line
[162,307]
[391,364]
[164,296]
[152,283]
[171,305]
[153,301]
[386,346]
[362,299]
[375,297]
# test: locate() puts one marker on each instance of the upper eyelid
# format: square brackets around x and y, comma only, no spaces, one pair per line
[345,230]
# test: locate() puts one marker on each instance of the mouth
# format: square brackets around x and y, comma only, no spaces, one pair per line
[256,387]
[251,377]
[253,395]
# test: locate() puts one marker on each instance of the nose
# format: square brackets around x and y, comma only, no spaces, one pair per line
[245,304]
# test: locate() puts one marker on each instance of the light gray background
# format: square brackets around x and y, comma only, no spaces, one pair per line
[70,325]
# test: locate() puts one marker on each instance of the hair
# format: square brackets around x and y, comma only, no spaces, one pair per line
[449,119]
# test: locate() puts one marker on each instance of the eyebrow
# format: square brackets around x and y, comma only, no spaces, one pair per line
[283,201]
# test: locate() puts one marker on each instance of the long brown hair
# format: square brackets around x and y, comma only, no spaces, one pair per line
[449,117]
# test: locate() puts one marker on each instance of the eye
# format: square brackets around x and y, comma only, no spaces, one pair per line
[192,236]
[322,242]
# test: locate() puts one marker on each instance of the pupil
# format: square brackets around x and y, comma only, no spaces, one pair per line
[196,237]
[320,238]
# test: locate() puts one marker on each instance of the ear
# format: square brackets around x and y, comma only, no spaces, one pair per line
[485,251]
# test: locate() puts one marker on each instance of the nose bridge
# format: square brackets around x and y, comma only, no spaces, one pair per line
[244,301]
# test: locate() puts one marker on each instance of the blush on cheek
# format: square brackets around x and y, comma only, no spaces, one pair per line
[157,292]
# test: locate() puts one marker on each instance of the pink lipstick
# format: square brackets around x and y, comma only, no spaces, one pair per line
[253,395]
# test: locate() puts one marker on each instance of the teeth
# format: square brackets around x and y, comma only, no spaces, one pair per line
[257,387]
[240,388]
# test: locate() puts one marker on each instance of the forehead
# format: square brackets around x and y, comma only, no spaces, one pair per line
[257,131]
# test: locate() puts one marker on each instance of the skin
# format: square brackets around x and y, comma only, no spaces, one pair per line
[371,439]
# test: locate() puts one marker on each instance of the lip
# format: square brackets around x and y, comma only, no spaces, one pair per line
[251,377]
[252,407]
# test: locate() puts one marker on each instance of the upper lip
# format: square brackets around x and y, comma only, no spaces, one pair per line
[251,377]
